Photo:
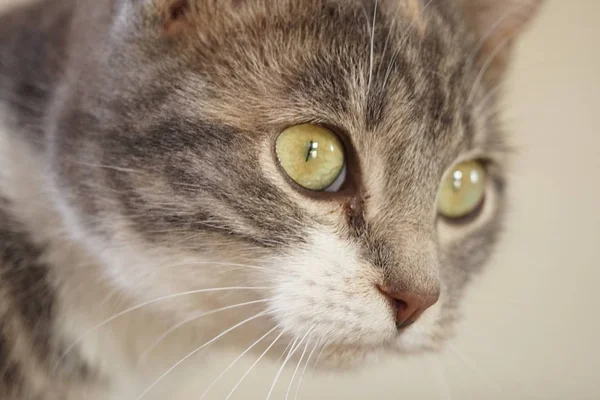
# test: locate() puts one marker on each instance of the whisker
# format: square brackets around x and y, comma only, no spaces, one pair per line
[195,317]
[225,264]
[405,38]
[483,38]
[304,369]
[284,351]
[486,65]
[319,356]
[111,167]
[287,394]
[253,365]
[288,357]
[387,39]
[492,55]
[236,360]
[193,352]
[139,306]
[489,95]
[372,50]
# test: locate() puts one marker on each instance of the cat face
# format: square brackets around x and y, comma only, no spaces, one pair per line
[178,158]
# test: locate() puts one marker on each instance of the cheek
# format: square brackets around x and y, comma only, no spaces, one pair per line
[466,248]
[322,287]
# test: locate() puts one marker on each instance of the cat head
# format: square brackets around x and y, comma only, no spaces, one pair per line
[335,166]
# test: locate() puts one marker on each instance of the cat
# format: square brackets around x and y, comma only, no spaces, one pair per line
[290,177]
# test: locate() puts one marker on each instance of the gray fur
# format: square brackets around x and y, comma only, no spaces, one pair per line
[153,125]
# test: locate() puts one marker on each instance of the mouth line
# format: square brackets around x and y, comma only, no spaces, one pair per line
[401,326]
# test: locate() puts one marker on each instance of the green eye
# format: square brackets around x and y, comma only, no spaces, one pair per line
[311,156]
[462,189]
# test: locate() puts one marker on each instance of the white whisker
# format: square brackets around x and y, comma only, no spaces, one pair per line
[486,66]
[193,352]
[406,34]
[194,317]
[253,365]
[304,369]
[225,264]
[483,38]
[147,303]
[284,352]
[285,360]
[387,39]
[111,167]
[235,361]
[319,356]
[287,394]
[372,49]
[489,95]
[289,356]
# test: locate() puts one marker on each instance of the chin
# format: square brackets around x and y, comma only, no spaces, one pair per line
[356,357]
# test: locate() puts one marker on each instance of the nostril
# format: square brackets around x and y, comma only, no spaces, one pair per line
[399,304]
[408,306]
[400,307]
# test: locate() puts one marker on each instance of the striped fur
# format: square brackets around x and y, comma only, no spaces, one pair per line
[136,165]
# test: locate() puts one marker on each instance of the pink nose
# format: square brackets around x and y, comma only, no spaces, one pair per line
[408,306]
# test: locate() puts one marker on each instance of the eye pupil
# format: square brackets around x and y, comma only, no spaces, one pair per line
[312,150]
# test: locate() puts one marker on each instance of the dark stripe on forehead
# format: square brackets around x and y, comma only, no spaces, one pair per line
[413,61]
[390,68]
[436,90]
[321,84]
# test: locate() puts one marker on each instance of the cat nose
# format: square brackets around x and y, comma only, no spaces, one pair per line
[408,305]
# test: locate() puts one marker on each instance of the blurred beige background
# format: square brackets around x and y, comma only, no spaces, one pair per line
[532,325]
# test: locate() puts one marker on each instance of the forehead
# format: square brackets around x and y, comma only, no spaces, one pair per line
[393,76]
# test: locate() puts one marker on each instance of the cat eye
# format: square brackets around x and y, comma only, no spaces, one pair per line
[312,156]
[462,190]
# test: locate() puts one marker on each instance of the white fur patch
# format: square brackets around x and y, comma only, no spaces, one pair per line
[324,288]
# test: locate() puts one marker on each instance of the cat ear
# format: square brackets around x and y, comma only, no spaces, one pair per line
[177,16]
[497,23]
[174,15]
[170,16]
